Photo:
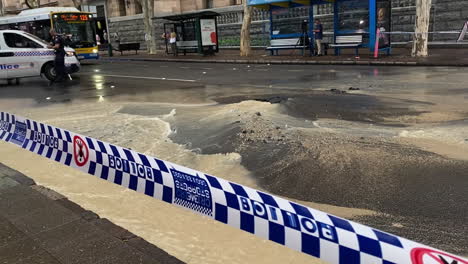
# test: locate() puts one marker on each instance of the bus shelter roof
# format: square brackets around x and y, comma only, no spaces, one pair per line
[192,15]
[267,4]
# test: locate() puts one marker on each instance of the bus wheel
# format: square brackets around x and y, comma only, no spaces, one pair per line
[17,81]
[49,72]
[10,81]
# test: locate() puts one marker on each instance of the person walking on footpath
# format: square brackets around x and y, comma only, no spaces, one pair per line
[318,34]
[58,44]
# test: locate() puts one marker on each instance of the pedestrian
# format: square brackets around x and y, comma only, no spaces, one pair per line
[59,63]
[173,42]
[318,34]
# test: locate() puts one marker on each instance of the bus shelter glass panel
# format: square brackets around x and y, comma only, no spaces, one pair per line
[189,32]
[384,15]
[353,16]
[288,22]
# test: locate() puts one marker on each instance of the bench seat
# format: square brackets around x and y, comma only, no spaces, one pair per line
[128,46]
[347,41]
[285,44]
[187,46]
[345,45]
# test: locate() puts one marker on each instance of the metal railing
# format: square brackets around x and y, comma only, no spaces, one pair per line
[326,9]
[403,3]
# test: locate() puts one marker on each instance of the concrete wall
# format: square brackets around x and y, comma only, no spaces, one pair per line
[127,29]
[449,15]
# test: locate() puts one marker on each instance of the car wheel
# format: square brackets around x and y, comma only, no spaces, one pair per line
[49,72]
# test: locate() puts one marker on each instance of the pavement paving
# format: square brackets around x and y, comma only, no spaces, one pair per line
[40,226]
[400,57]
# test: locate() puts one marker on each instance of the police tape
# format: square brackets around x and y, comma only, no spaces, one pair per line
[414,33]
[330,238]
[402,32]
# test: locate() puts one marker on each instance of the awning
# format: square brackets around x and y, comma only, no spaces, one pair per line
[285,3]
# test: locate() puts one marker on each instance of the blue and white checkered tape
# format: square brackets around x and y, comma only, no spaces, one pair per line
[330,238]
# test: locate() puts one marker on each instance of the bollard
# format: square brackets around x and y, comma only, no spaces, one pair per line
[109,47]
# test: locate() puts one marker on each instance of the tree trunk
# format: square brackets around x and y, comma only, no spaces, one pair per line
[423,13]
[77,4]
[2,12]
[148,13]
[245,31]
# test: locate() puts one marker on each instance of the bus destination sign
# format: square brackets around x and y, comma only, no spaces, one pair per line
[74,17]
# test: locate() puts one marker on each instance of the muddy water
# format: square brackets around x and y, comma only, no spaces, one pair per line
[189,237]
[223,133]
[410,172]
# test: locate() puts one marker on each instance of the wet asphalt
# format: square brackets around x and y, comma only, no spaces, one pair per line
[202,81]
[418,194]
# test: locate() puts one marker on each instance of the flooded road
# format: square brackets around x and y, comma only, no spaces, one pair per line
[391,152]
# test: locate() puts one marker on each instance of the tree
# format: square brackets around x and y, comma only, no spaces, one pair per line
[423,13]
[245,48]
[148,13]
[2,12]
[77,3]
[32,3]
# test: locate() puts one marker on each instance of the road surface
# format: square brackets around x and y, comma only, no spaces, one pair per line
[385,146]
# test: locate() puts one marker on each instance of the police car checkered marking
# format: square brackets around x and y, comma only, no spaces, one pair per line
[330,238]
[34,53]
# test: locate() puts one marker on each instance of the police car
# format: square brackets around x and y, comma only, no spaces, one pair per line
[25,55]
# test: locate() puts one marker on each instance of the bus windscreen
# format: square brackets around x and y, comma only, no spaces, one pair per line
[78,27]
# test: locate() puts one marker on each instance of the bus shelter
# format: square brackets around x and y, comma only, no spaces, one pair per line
[295,19]
[196,32]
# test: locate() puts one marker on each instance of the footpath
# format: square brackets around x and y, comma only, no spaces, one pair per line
[399,57]
[40,226]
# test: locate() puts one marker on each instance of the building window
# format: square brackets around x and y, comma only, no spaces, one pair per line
[122,8]
[209,4]
[100,12]
[138,8]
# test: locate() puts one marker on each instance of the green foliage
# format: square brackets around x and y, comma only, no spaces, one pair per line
[235,41]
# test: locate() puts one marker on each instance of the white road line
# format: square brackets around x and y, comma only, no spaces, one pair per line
[207,68]
[295,70]
[184,67]
[147,78]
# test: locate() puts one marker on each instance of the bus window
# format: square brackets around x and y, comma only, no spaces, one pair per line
[40,29]
[77,25]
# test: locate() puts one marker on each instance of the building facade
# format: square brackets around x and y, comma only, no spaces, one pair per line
[123,18]
[119,8]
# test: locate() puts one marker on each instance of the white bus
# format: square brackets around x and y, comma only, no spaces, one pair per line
[67,21]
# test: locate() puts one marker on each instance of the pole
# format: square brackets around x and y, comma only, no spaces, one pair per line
[372,22]
[376,47]
[335,25]
[311,29]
